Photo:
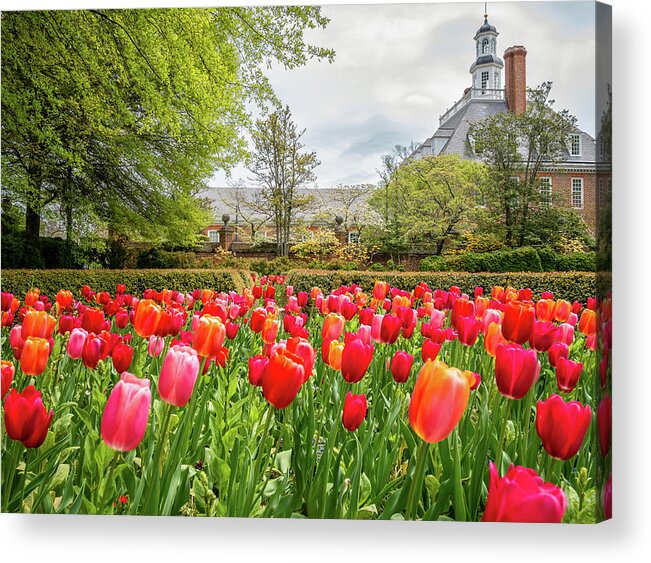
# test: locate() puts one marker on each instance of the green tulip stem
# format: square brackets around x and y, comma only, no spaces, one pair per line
[417,481]
[107,486]
[500,444]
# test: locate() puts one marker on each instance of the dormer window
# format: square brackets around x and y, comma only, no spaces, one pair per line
[575,144]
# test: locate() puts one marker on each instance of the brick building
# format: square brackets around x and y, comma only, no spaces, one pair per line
[579,181]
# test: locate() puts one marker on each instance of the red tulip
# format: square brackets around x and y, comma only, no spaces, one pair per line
[283,378]
[34,356]
[355,359]
[121,318]
[126,413]
[556,351]
[522,496]
[604,424]
[462,308]
[401,366]
[303,349]
[95,349]
[543,336]
[26,418]
[562,426]
[257,367]
[390,329]
[121,356]
[231,330]
[178,374]
[355,408]
[258,318]
[439,400]
[468,330]
[8,371]
[516,370]
[567,374]
[517,324]
[92,320]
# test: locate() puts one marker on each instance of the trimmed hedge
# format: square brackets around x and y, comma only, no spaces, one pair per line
[523,259]
[50,282]
[566,285]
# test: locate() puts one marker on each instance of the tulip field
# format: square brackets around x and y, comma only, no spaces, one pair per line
[399,403]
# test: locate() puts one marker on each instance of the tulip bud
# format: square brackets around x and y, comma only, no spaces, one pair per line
[178,375]
[355,407]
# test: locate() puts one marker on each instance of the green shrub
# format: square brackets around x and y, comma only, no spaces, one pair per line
[567,285]
[50,282]
[548,258]
[523,259]
[577,262]
[377,267]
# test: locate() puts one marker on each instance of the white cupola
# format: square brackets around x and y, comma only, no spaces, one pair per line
[486,71]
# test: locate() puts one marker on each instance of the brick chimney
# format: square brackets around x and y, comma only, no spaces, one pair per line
[515,79]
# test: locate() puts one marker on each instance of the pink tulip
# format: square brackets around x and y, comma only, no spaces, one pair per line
[76,342]
[178,375]
[155,346]
[126,413]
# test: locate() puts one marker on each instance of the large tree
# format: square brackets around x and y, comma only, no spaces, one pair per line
[516,148]
[126,113]
[280,167]
[427,201]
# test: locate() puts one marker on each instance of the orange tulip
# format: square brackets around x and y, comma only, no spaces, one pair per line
[333,326]
[35,354]
[494,338]
[64,299]
[208,336]
[38,324]
[439,400]
[588,322]
[545,310]
[32,296]
[335,353]
[562,310]
[270,330]
[380,290]
[145,321]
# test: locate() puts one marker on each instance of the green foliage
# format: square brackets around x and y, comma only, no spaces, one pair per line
[126,113]
[50,282]
[516,208]
[524,259]
[322,243]
[577,262]
[427,201]
[570,285]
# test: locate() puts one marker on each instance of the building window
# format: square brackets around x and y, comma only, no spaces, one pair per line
[575,145]
[213,235]
[497,81]
[353,238]
[515,191]
[546,190]
[484,46]
[577,193]
[484,80]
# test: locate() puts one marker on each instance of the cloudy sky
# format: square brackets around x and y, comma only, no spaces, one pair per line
[399,66]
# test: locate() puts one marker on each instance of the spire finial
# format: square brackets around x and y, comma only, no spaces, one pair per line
[485,12]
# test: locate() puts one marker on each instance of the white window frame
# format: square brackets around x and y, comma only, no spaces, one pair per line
[214,231]
[496,80]
[354,237]
[577,137]
[546,196]
[485,43]
[576,183]
[484,83]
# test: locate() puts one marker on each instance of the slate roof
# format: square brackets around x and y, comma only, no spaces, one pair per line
[455,130]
